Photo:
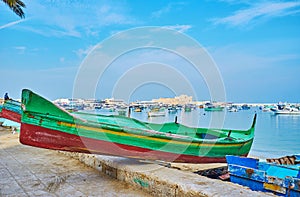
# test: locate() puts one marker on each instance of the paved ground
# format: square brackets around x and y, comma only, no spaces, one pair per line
[29,171]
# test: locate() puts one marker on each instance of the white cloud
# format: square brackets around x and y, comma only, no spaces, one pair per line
[28,50]
[20,49]
[167,9]
[263,10]
[12,23]
[76,19]
[83,52]
[179,28]
[236,59]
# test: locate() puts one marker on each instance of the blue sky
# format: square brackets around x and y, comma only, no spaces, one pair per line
[255,44]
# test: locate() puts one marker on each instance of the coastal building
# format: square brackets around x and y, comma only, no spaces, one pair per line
[178,100]
[93,103]
[112,101]
[70,103]
[143,104]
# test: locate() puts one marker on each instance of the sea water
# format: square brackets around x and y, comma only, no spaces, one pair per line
[275,135]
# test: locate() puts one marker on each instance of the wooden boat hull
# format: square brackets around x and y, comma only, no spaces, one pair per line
[283,180]
[56,140]
[52,128]
[11,115]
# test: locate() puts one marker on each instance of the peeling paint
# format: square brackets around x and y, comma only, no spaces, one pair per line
[141,182]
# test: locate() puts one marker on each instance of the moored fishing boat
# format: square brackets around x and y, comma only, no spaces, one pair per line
[47,126]
[11,110]
[285,109]
[280,176]
[156,112]
[213,107]
[233,109]
[216,108]
[137,109]
[122,111]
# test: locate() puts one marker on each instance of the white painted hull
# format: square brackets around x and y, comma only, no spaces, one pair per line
[156,114]
[287,112]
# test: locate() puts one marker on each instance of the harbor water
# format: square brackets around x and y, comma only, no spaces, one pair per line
[275,135]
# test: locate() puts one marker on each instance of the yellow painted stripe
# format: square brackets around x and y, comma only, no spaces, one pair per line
[275,188]
[152,138]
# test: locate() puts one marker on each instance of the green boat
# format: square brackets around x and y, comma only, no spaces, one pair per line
[214,108]
[45,125]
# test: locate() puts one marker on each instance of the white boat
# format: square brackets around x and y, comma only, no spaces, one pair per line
[233,109]
[286,110]
[155,112]
[266,109]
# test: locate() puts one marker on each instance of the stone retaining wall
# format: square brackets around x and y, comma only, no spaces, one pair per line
[159,180]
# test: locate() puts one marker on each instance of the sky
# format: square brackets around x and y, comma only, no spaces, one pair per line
[254,45]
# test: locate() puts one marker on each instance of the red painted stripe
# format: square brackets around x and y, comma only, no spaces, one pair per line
[11,115]
[53,139]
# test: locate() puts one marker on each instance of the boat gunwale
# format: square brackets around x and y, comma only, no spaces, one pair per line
[148,133]
[173,123]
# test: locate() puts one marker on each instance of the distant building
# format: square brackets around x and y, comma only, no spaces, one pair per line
[178,100]
[114,102]
[62,102]
[143,103]
[92,103]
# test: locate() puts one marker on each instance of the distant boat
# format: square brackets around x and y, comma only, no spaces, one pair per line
[280,176]
[245,107]
[233,109]
[172,110]
[47,126]
[286,110]
[187,109]
[11,110]
[156,112]
[267,108]
[122,111]
[137,109]
[214,108]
